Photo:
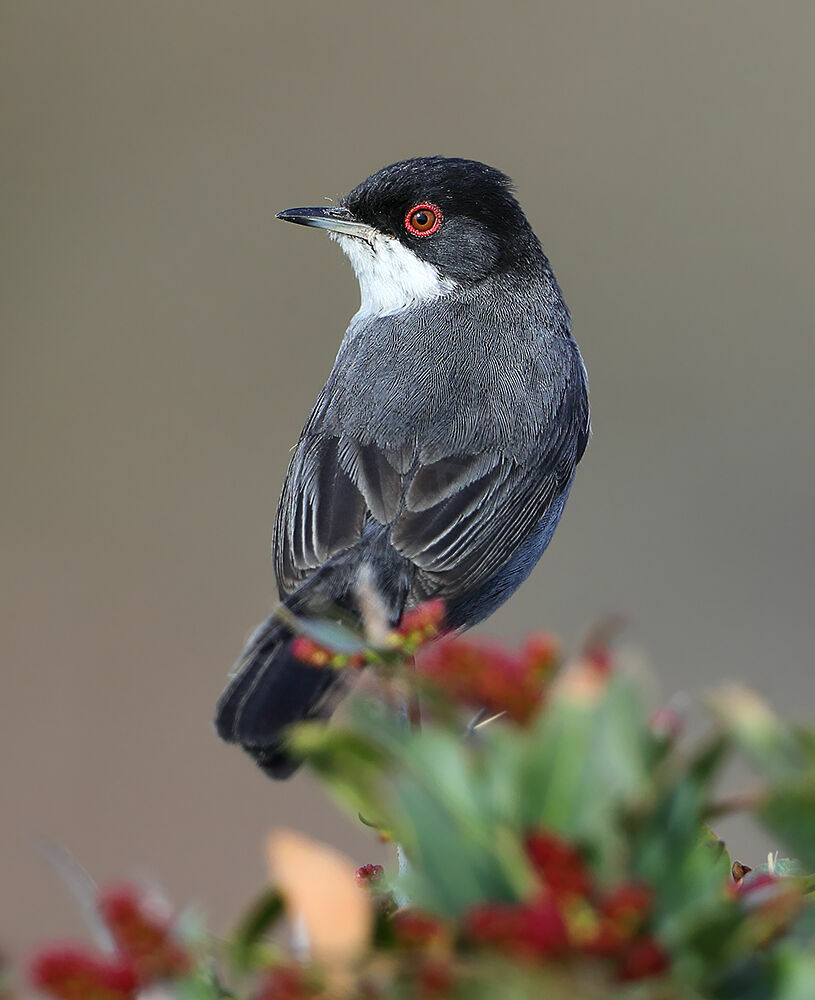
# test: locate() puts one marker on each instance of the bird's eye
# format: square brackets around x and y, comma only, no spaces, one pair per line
[423,219]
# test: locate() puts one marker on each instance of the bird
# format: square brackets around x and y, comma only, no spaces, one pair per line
[440,453]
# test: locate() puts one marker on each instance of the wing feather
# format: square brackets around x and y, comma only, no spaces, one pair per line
[455,517]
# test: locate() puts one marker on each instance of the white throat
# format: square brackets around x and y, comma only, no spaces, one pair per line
[391,277]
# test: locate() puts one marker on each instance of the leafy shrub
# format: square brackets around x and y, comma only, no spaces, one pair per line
[559,849]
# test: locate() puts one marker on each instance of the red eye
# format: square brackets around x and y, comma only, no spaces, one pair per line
[423,219]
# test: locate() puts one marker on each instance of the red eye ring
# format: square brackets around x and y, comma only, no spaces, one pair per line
[423,219]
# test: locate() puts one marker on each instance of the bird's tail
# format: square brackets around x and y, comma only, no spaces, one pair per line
[270,689]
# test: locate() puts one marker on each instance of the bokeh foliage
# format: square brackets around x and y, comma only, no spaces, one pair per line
[564,848]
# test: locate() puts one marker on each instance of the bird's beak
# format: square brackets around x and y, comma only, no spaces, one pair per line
[335,218]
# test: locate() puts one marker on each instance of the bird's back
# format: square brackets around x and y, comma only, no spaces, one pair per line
[474,393]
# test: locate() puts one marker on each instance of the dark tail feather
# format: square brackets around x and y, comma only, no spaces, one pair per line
[270,691]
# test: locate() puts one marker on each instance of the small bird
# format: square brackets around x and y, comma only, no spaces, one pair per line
[441,451]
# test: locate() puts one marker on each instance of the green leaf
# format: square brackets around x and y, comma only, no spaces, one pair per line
[203,985]
[332,635]
[771,746]
[789,813]
[796,975]
[264,912]
[585,762]
[681,859]
[351,764]
[461,849]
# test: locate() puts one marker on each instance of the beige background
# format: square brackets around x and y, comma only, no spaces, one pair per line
[163,339]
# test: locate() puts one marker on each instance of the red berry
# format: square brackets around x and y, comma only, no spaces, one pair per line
[483,674]
[532,929]
[493,923]
[644,957]
[284,983]
[543,929]
[368,874]
[599,659]
[73,974]
[142,937]
[558,864]
[434,978]
[427,619]
[628,906]
[540,653]
[308,651]
[414,929]
[605,941]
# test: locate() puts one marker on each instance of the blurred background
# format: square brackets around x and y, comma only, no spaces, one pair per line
[163,338]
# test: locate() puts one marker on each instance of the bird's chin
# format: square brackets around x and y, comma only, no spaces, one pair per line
[347,240]
[391,276]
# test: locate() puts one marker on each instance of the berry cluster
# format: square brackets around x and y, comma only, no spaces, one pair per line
[570,916]
[145,953]
[417,627]
[489,676]
[74,974]
[288,982]
[475,672]
[567,917]
[369,874]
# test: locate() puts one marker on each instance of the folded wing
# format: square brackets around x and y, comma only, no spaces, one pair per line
[456,520]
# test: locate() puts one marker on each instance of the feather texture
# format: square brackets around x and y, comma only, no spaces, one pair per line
[451,456]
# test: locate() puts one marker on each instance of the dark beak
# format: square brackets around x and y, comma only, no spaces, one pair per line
[337,219]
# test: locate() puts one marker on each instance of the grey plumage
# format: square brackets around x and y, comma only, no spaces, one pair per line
[440,453]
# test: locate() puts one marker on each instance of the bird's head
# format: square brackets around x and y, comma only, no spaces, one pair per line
[423,228]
